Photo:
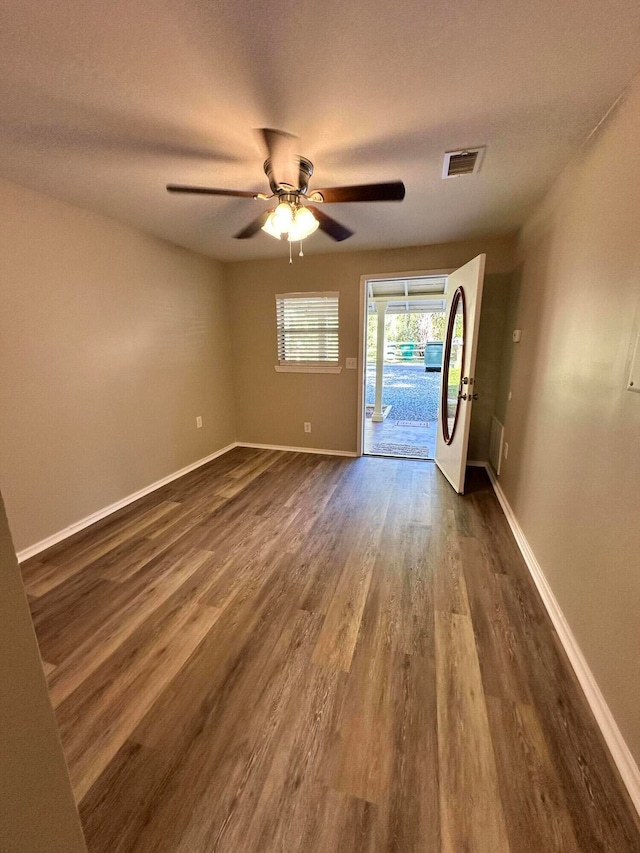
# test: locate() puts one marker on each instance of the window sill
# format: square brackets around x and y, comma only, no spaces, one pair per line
[306,368]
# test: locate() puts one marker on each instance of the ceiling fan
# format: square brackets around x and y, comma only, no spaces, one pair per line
[288,175]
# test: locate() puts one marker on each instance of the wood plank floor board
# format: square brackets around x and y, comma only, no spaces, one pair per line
[582,761]
[417,595]
[575,743]
[240,726]
[128,613]
[376,732]
[123,796]
[339,822]
[64,566]
[312,499]
[236,652]
[280,776]
[534,804]
[471,811]
[424,497]
[116,697]
[291,652]
[409,816]
[444,554]
[227,525]
[218,521]
[526,612]
[243,567]
[332,539]
[242,558]
[70,612]
[255,464]
[125,561]
[340,630]
[252,472]
[77,541]
[172,531]
[500,649]
[292,782]
[360,760]
[488,527]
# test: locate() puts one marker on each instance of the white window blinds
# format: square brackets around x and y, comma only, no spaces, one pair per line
[307,328]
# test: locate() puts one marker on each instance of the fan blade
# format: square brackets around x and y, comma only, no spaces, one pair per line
[390,191]
[253,227]
[285,163]
[334,229]
[178,188]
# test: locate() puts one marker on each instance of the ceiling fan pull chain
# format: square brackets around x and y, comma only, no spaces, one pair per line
[290,261]
[301,253]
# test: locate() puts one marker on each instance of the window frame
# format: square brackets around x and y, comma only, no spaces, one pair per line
[292,366]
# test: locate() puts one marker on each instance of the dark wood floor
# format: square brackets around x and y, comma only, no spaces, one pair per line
[285,652]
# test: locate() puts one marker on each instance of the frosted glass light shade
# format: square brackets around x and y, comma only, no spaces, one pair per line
[282,217]
[303,225]
[270,228]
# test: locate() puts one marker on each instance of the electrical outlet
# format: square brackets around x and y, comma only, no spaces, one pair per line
[307,426]
[199,422]
[352,364]
[506,450]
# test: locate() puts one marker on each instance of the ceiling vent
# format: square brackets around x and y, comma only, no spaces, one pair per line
[464,162]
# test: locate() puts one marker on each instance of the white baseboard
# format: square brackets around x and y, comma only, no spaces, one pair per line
[88,520]
[297,449]
[618,748]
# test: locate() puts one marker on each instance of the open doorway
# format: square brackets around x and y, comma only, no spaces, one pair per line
[404,336]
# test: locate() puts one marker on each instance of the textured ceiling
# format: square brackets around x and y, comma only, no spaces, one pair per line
[102,104]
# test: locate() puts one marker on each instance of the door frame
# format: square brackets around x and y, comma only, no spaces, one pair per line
[362,334]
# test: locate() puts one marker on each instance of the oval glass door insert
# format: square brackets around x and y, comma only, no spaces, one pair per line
[452,366]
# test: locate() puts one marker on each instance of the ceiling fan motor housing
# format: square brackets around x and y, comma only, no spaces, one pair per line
[304,173]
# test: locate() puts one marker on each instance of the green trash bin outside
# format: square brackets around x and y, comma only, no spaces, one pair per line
[433,355]
[407,351]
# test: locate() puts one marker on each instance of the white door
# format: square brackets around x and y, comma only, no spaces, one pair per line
[464,298]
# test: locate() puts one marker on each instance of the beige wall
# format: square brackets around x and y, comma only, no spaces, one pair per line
[495,300]
[37,810]
[511,309]
[573,472]
[111,343]
[271,407]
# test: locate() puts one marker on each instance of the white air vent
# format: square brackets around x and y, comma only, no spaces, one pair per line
[464,162]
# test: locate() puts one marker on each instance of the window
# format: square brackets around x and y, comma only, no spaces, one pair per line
[307,332]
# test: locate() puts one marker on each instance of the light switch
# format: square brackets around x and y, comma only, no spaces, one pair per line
[517,336]
[352,364]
